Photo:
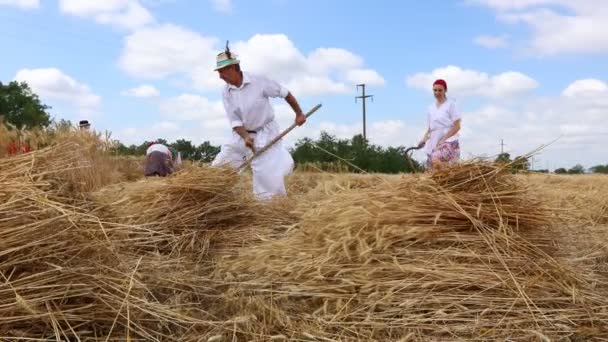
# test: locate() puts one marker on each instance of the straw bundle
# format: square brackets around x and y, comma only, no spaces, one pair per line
[195,209]
[73,166]
[193,198]
[65,274]
[438,258]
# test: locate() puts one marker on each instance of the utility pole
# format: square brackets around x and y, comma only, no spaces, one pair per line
[363,97]
[502,146]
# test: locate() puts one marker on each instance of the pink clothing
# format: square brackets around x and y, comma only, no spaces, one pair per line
[448,152]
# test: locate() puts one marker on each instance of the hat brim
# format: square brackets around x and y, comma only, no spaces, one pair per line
[227,65]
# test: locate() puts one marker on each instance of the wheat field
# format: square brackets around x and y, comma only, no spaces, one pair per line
[92,251]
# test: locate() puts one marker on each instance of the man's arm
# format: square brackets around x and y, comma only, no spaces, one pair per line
[293,103]
[240,130]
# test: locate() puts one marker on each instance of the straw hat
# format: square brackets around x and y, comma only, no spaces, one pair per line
[225,59]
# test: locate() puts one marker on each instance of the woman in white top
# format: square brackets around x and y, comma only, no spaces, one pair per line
[441,138]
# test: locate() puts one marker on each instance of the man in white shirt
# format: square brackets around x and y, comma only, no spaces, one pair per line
[246,100]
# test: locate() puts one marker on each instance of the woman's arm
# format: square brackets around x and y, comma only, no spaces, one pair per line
[425,138]
[455,128]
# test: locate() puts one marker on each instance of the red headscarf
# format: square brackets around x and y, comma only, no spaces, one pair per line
[442,82]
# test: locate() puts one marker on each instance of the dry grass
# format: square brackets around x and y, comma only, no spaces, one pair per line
[89,251]
[196,209]
[437,258]
[65,273]
[579,199]
[581,235]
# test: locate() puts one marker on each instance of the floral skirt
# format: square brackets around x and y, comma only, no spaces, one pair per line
[448,152]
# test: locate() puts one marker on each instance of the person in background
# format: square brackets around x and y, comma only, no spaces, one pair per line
[84,125]
[159,160]
[18,147]
[441,138]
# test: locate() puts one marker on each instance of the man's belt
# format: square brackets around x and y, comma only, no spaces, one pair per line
[261,127]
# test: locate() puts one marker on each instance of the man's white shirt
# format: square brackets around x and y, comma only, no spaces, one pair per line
[249,105]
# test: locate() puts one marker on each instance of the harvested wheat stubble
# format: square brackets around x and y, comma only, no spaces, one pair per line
[447,257]
[582,207]
[579,199]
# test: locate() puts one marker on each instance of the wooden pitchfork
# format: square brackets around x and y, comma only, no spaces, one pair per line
[278,137]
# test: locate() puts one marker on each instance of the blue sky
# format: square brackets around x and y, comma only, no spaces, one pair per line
[526,71]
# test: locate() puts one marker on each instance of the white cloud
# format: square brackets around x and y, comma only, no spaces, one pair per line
[144,90]
[168,130]
[187,116]
[25,4]
[325,59]
[52,84]
[273,55]
[558,26]
[168,51]
[129,14]
[316,86]
[586,87]
[171,131]
[578,122]
[367,76]
[165,126]
[224,6]
[466,82]
[323,71]
[193,107]
[491,42]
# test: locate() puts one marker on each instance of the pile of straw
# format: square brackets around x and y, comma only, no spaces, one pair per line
[66,275]
[466,253]
[458,255]
[193,210]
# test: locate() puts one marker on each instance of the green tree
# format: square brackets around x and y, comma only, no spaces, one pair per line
[21,107]
[599,169]
[206,152]
[561,171]
[161,141]
[185,147]
[521,164]
[120,149]
[576,169]
[355,154]
[504,158]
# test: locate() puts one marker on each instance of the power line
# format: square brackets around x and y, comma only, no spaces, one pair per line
[363,96]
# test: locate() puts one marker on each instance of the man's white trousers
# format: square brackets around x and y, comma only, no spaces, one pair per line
[269,168]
